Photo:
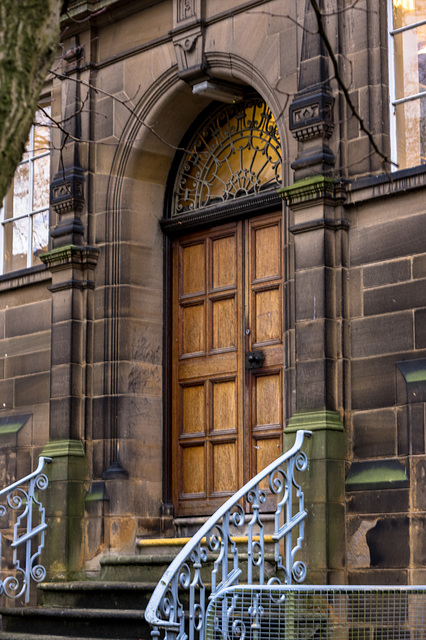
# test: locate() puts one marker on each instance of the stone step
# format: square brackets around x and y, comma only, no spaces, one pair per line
[95,594]
[110,607]
[150,567]
[147,568]
[44,622]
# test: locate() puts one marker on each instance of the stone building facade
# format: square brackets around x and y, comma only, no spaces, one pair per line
[224,182]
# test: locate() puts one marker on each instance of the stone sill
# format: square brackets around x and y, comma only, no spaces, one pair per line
[382,185]
[24,277]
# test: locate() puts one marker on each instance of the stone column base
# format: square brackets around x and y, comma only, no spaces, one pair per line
[63,553]
[323,484]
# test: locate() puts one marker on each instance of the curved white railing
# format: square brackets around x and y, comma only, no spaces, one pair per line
[214,542]
[28,531]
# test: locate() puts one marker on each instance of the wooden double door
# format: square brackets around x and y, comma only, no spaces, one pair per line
[227,359]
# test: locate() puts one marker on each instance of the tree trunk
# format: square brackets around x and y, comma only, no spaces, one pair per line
[29,35]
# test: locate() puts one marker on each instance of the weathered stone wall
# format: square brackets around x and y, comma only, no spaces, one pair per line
[385,497]
[24,386]
[25,372]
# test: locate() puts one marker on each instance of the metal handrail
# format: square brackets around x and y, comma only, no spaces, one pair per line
[20,499]
[165,610]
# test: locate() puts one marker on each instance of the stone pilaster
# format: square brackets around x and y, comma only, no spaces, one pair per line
[71,346]
[71,267]
[71,263]
[320,250]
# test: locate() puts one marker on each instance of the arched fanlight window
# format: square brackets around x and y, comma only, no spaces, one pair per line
[235,153]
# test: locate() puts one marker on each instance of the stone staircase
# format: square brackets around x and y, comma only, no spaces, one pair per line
[110,607]
[107,608]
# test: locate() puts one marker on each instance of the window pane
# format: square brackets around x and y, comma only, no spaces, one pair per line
[410,62]
[42,131]
[21,190]
[8,204]
[26,233]
[15,245]
[41,168]
[40,235]
[411,133]
[407,12]
[236,152]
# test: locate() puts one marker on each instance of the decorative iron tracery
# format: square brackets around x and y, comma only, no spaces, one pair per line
[235,153]
[178,605]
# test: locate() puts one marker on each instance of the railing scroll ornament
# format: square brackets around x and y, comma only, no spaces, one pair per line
[26,510]
[215,542]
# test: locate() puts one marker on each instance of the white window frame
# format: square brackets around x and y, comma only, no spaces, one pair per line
[393,102]
[29,215]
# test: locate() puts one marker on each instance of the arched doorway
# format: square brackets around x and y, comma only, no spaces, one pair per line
[227,306]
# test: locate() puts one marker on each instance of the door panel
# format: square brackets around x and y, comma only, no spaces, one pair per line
[193,320]
[227,299]
[223,329]
[265,320]
[267,315]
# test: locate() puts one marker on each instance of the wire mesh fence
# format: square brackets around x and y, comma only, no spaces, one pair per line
[317,613]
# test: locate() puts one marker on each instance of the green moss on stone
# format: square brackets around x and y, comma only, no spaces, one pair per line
[314,421]
[376,474]
[12,424]
[58,448]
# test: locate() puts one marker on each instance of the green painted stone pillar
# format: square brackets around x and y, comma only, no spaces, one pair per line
[323,484]
[321,365]
[63,554]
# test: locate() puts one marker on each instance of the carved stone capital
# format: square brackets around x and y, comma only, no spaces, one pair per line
[67,200]
[311,122]
[309,191]
[71,255]
[67,191]
[311,116]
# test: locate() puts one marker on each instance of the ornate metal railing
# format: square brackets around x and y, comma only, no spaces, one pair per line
[215,542]
[28,516]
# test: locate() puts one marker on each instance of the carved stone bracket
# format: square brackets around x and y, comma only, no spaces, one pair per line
[189,48]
